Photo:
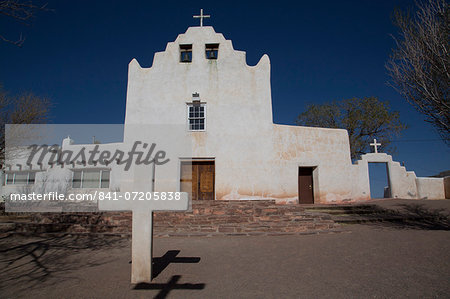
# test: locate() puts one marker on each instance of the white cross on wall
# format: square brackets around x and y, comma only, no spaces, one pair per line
[375,145]
[201,17]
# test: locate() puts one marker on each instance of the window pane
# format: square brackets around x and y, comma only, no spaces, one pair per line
[31,177]
[91,179]
[196,116]
[76,181]
[105,179]
[21,178]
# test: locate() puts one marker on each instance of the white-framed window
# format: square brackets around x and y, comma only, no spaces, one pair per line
[20,177]
[196,116]
[90,178]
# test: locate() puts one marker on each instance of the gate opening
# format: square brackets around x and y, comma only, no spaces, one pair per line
[379,180]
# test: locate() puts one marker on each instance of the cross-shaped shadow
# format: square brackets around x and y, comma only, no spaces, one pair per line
[167,287]
[161,263]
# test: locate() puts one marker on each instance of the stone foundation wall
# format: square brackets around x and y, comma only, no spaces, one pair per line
[207,218]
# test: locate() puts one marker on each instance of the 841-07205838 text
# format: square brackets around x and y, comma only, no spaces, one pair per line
[138,195]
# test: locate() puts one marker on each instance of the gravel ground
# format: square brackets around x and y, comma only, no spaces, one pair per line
[379,260]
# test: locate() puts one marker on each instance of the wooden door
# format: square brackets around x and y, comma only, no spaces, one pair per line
[197,178]
[305,185]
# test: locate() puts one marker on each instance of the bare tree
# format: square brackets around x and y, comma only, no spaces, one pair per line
[21,11]
[419,66]
[23,109]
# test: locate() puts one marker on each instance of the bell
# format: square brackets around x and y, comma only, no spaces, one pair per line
[185,57]
[212,55]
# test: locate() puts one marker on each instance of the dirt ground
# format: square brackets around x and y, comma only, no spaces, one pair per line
[377,260]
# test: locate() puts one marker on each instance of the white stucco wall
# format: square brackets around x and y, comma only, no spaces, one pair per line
[430,188]
[402,183]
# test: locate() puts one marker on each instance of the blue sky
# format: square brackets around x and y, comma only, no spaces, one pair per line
[77,55]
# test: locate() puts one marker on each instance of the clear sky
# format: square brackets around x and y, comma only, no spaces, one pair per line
[78,54]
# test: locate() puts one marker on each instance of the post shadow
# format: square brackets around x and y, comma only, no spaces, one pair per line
[161,263]
[165,288]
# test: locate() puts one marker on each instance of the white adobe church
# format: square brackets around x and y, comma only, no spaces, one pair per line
[201,83]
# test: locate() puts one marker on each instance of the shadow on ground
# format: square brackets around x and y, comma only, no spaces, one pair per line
[410,216]
[30,261]
[161,263]
[165,288]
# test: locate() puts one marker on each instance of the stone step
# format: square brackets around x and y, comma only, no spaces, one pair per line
[354,219]
[344,211]
[371,213]
[14,218]
[336,206]
[356,214]
[7,227]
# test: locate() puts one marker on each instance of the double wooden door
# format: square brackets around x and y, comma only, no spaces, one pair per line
[197,178]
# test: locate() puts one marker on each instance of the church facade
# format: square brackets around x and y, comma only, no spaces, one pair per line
[238,152]
[224,107]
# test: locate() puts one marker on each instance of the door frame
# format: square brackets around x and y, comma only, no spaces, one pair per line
[197,159]
[315,180]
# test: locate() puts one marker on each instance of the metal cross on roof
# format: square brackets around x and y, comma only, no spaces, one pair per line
[201,17]
[375,145]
